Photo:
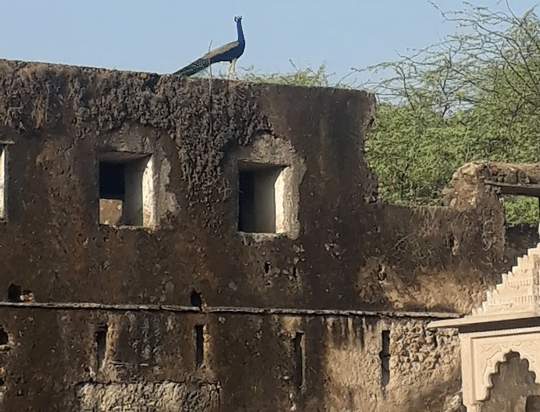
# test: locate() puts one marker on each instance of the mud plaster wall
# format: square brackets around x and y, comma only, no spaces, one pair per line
[348,251]
[250,363]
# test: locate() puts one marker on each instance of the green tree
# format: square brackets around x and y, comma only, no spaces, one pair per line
[474,96]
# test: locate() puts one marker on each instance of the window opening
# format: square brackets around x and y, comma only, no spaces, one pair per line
[385,358]
[298,359]
[126,191]
[4,338]
[199,345]
[14,293]
[196,299]
[261,203]
[520,210]
[101,344]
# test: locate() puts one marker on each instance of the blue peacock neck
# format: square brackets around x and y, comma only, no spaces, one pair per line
[241,39]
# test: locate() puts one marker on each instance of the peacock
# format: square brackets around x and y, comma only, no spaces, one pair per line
[227,53]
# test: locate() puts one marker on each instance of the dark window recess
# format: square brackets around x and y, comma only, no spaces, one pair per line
[298,348]
[112,180]
[257,199]
[101,344]
[246,204]
[199,345]
[385,358]
[196,299]
[121,190]
[14,293]
[4,338]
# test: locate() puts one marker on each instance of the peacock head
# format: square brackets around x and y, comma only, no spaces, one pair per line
[238,19]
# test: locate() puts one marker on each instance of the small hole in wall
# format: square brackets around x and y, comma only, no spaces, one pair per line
[101,344]
[199,345]
[196,299]
[14,293]
[449,241]
[267,267]
[382,273]
[4,338]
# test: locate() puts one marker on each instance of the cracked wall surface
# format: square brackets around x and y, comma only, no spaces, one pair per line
[345,250]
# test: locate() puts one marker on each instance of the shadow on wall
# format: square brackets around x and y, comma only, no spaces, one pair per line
[445,397]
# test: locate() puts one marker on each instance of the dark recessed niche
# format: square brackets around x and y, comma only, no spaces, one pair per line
[126,195]
[298,349]
[14,293]
[258,197]
[112,180]
[4,338]
[101,344]
[385,358]
[199,345]
[195,299]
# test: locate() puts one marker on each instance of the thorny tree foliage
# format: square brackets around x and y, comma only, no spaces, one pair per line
[474,96]
[300,77]
[491,49]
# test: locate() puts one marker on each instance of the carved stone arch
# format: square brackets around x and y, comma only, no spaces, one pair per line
[525,349]
[512,385]
[507,321]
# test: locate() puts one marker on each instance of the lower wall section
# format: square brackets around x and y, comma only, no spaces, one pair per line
[95,360]
[144,397]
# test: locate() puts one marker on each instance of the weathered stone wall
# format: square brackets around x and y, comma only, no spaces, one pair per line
[250,362]
[345,250]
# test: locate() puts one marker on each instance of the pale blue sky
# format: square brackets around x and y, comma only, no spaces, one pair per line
[161,36]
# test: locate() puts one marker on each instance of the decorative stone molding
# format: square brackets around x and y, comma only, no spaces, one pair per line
[482,352]
[519,290]
[508,321]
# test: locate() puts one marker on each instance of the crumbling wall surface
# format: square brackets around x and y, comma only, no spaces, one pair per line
[143,397]
[345,250]
[419,361]
[150,361]
[62,119]
[145,361]
[432,258]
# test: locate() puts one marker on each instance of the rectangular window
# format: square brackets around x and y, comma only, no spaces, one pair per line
[126,190]
[261,202]
[385,358]
[199,345]
[298,346]
[3,182]
[101,344]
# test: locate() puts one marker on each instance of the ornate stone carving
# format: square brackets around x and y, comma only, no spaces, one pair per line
[515,301]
